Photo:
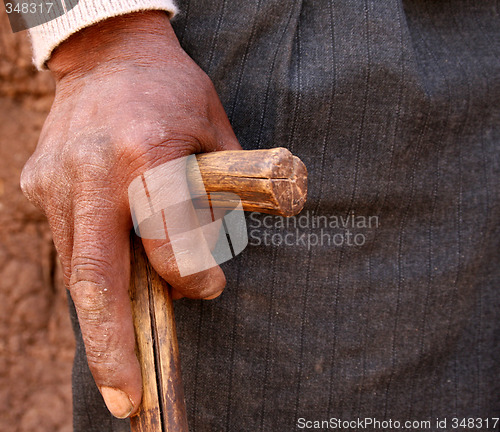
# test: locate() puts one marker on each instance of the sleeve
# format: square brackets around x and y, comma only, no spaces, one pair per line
[46,37]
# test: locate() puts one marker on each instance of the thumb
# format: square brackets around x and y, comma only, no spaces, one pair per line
[99,288]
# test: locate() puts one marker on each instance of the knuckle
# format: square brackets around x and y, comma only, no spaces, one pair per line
[89,269]
[95,303]
[90,300]
[89,289]
[91,158]
[36,178]
[85,155]
[137,134]
[27,182]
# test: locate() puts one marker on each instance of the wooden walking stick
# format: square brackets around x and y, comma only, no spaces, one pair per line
[268,181]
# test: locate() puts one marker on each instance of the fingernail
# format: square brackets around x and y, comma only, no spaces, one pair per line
[118,402]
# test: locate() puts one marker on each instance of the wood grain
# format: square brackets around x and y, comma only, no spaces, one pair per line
[163,408]
[267,181]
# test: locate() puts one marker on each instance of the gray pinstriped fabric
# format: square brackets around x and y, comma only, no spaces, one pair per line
[394,108]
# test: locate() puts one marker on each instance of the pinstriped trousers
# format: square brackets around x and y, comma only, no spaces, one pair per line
[382,301]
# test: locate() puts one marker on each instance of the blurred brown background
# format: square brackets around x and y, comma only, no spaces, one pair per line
[36,341]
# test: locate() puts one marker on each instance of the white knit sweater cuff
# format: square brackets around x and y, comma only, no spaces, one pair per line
[46,37]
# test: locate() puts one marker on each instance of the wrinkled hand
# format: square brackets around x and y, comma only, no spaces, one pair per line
[128,98]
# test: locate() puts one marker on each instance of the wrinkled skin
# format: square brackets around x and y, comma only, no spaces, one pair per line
[128,98]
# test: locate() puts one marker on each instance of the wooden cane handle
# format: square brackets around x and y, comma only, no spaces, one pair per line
[268,181]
